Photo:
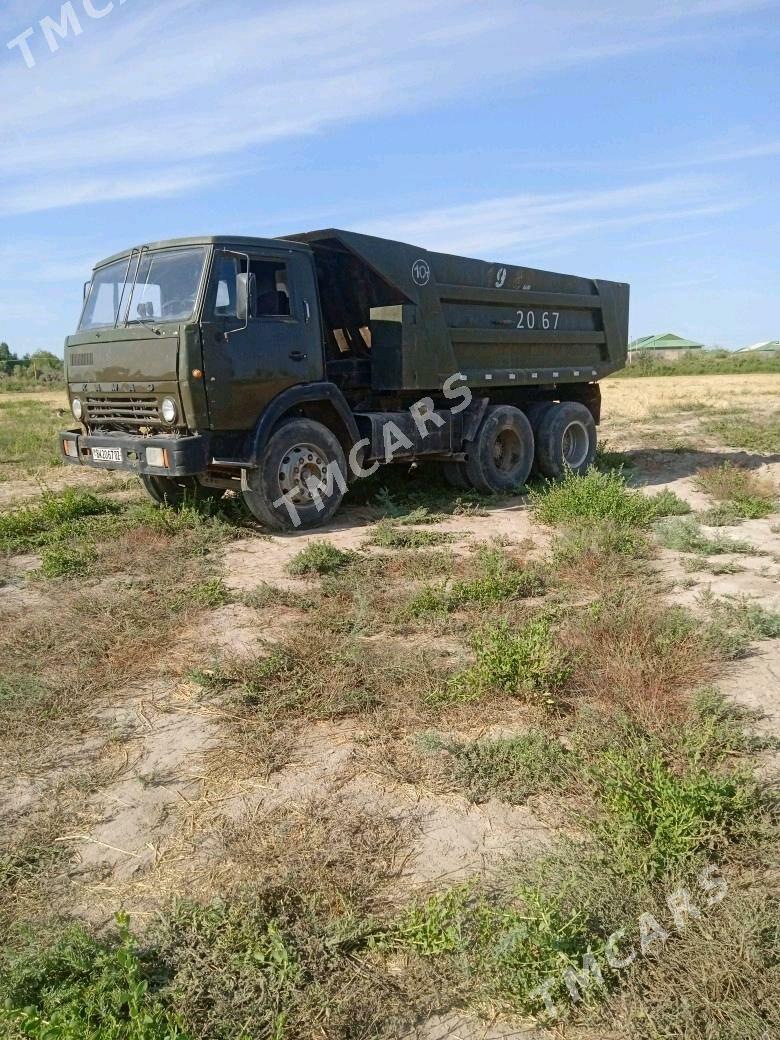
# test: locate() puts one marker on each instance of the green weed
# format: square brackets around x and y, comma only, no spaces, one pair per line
[508,768]
[500,580]
[319,558]
[659,819]
[386,535]
[685,535]
[79,989]
[525,662]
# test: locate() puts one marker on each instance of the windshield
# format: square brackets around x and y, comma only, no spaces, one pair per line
[163,287]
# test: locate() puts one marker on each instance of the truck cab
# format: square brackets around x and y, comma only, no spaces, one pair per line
[274,367]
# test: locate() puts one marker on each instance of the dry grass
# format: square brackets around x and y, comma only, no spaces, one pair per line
[729,482]
[636,655]
[349,854]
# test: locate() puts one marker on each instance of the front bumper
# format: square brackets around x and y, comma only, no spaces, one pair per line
[181,456]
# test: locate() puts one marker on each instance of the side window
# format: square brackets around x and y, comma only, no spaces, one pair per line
[226,271]
[273,289]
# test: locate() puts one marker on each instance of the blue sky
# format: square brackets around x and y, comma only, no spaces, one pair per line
[628,140]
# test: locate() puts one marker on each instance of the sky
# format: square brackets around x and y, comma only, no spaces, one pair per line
[628,140]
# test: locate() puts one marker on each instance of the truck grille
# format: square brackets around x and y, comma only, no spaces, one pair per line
[128,411]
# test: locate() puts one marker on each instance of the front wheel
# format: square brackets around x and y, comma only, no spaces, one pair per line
[301,479]
[175,491]
[566,440]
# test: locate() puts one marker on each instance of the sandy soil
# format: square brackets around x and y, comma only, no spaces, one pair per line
[149,819]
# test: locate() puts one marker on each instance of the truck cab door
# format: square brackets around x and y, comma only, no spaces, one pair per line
[248,359]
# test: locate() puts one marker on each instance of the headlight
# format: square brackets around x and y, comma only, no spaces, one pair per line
[77,408]
[169,411]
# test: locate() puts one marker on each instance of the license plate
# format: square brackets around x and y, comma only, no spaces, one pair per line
[107,454]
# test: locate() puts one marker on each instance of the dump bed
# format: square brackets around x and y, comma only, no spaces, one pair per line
[425,316]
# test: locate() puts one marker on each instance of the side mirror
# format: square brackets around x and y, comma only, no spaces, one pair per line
[87,287]
[246,297]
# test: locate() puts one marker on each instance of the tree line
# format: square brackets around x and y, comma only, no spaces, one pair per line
[41,366]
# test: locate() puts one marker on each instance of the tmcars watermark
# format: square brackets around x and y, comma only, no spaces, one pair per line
[423,413]
[681,904]
[70,22]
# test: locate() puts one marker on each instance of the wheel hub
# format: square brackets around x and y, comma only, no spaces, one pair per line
[302,471]
[575,445]
[507,451]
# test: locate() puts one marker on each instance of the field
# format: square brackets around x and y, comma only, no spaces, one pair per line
[451,767]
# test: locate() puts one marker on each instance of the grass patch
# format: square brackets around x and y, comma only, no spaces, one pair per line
[594,496]
[743,616]
[500,579]
[318,674]
[601,496]
[684,534]
[37,526]
[527,662]
[78,533]
[740,493]
[319,558]
[386,535]
[660,817]
[28,436]
[633,654]
[748,433]
[508,768]
[77,988]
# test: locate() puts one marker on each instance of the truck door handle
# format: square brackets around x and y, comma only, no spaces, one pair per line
[298,355]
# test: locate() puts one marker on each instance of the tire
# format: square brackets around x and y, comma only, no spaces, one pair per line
[535,413]
[501,455]
[456,476]
[175,491]
[298,451]
[566,440]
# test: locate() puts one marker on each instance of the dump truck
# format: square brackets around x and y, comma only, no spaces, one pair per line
[285,369]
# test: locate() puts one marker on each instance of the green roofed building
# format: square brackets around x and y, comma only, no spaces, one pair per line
[666,347]
[767,348]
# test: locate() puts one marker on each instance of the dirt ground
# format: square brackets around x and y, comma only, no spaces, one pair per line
[165,793]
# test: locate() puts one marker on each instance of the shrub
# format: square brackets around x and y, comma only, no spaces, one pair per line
[527,662]
[319,558]
[509,768]
[730,483]
[683,534]
[387,536]
[667,503]
[79,989]
[594,496]
[658,819]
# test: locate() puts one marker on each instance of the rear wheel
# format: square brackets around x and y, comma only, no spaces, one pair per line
[304,465]
[502,453]
[566,440]
[175,491]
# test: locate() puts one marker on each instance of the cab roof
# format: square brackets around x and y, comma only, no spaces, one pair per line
[205,240]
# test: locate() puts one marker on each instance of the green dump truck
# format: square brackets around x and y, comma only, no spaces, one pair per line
[286,368]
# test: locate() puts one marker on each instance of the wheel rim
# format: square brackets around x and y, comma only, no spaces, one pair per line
[302,471]
[576,445]
[507,451]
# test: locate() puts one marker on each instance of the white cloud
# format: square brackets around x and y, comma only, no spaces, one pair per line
[188,83]
[517,226]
